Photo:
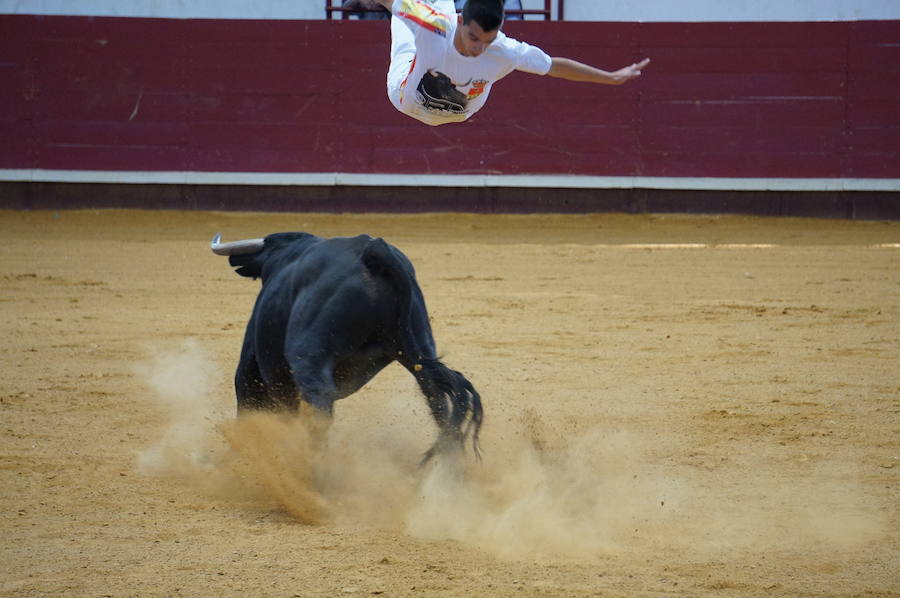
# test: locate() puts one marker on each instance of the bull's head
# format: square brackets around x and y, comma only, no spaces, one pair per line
[260,258]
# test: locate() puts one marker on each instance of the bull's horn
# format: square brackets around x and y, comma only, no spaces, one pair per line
[235,247]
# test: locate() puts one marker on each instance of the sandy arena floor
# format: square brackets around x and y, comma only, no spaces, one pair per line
[718,420]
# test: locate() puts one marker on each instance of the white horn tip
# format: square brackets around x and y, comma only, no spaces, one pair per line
[235,247]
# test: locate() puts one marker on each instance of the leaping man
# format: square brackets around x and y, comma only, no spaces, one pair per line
[432,47]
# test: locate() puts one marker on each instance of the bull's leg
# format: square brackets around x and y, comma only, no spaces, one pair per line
[254,393]
[316,384]
[312,370]
[314,380]
[250,388]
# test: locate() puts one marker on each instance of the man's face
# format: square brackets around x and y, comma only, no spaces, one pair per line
[472,39]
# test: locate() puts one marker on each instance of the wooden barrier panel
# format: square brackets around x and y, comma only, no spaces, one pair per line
[770,100]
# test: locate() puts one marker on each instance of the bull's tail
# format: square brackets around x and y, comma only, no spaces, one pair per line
[454,402]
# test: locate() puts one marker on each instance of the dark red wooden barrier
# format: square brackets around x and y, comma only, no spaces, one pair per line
[719,100]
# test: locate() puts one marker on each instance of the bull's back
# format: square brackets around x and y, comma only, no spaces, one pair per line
[328,289]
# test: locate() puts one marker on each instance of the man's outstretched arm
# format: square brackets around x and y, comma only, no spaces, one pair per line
[565,68]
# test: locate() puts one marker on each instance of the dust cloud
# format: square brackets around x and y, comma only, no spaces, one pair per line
[181,381]
[540,493]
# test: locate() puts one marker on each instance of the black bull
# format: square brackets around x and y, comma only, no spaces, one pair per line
[330,315]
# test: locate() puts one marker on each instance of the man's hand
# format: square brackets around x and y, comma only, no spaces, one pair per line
[565,68]
[630,72]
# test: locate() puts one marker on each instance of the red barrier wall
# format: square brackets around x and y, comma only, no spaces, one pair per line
[719,100]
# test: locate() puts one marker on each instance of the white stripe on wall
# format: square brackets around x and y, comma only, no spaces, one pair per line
[445,180]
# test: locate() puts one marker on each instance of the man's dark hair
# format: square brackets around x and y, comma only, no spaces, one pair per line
[487,13]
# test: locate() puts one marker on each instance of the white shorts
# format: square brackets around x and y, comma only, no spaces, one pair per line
[403,51]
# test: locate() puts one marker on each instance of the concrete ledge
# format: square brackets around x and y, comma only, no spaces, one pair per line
[446,180]
[868,205]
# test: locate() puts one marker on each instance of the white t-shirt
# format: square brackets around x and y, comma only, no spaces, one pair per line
[431,81]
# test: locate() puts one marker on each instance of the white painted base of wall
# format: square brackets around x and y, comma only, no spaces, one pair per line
[445,180]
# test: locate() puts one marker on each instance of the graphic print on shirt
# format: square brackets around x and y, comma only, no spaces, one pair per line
[436,91]
[478,88]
